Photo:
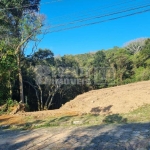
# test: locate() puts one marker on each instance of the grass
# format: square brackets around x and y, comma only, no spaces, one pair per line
[64,121]
[140,115]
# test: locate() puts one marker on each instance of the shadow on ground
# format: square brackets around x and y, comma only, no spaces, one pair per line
[103,110]
[103,137]
[12,140]
[58,121]
[112,137]
[115,118]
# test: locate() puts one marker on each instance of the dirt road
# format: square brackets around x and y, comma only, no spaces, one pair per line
[104,137]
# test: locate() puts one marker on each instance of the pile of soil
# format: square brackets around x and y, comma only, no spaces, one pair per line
[120,99]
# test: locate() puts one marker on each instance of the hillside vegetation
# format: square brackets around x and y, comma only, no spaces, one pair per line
[49,82]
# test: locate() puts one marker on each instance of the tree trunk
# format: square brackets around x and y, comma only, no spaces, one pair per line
[121,76]
[10,86]
[41,98]
[36,92]
[20,80]
[46,104]
[50,103]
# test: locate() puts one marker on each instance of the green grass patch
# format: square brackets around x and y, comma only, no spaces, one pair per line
[140,115]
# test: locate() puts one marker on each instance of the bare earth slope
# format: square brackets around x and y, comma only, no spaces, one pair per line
[120,99]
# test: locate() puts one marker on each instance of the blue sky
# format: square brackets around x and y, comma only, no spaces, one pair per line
[94,37]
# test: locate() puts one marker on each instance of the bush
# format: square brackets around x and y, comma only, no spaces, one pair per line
[10,102]
[142,73]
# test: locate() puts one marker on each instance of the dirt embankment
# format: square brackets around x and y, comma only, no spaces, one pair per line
[120,99]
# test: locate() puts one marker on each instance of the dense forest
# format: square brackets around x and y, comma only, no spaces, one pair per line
[43,81]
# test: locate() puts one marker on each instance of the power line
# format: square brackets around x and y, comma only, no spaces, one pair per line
[101,16]
[91,10]
[30,5]
[98,22]
[97,17]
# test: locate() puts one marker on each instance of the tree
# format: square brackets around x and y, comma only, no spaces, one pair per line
[100,59]
[69,61]
[145,54]
[43,56]
[7,70]
[135,46]
[21,24]
[38,76]
[122,64]
[99,70]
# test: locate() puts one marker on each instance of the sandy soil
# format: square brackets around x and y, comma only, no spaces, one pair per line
[120,99]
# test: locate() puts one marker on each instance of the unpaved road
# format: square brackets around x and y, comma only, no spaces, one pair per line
[103,137]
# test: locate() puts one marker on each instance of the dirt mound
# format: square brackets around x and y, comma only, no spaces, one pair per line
[120,99]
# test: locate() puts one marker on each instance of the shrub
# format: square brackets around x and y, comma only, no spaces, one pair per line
[10,102]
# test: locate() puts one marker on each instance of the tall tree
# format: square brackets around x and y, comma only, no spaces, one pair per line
[20,24]
[122,64]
